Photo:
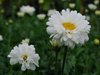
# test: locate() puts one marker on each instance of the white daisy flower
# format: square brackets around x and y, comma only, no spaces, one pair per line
[51,12]
[25,55]
[41,16]
[25,41]
[92,7]
[68,28]
[1,38]
[27,9]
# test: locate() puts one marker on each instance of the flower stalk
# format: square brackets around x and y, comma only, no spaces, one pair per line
[26,72]
[56,63]
[64,58]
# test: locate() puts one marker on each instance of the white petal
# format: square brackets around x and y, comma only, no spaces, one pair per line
[13,61]
[32,67]
[23,68]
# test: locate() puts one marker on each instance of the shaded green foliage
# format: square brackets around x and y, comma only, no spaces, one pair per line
[82,60]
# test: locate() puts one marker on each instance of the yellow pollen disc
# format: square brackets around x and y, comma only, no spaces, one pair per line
[69,26]
[24,57]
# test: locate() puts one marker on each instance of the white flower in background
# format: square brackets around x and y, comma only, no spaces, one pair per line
[1,38]
[97,12]
[51,12]
[72,5]
[20,14]
[25,41]
[92,7]
[88,18]
[27,9]
[25,55]
[68,28]
[41,16]
[96,2]
[40,1]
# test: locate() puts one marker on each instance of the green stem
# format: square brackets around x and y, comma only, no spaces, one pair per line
[9,37]
[26,72]
[64,58]
[97,58]
[56,63]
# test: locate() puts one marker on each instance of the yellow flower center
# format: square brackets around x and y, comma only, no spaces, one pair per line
[69,26]
[24,57]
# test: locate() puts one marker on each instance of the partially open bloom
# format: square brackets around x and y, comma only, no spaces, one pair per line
[41,16]
[97,12]
[72,5]
[10,21]
[88,18]
[27,9]
[96,2]
[25,55]
[20,14]
[54,43]
[68,28]
[92,7]
[25,41]
[40,1]
[51,12]
[96,41]
[1,38]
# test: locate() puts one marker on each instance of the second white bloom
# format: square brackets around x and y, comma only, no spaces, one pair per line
[25,55]
[27,9]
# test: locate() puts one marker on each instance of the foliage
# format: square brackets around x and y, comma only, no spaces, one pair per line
[82,60]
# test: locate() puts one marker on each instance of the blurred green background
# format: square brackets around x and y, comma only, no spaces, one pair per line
[82,60]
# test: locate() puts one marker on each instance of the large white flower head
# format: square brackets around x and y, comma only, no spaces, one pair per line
[25,55]
[68,28]
[27,9]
